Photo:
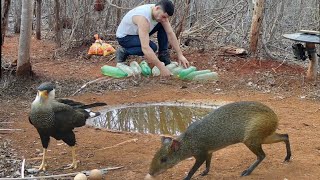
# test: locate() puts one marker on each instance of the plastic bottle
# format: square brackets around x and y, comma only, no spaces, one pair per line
[125,68]
[172,65]
[183,73]
[211,76]
[145,69]
[156,71]
[135,67]
[113,71]
[195,73]
[177,70]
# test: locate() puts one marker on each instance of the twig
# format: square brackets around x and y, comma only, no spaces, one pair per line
[127,141]
[11,129]
[22,168]
[38,158]
[118,7]
[111,59]
[274,69]
[62,175]
[90,82]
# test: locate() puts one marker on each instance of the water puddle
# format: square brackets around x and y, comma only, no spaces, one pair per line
[155,118]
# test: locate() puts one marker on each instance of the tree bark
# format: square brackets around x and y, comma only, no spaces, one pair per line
[119,12]
[4,19]
[38,14]
[38,22]
[57,27]
[23,65]
[182,22]
[255,25]
[17,18]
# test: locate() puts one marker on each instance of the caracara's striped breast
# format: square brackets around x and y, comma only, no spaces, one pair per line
[42,117]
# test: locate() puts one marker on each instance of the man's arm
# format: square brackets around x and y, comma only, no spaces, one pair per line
[174,42]
[143,28]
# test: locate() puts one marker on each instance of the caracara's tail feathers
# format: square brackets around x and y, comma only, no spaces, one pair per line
[76,104]
[94,114]
[87,106]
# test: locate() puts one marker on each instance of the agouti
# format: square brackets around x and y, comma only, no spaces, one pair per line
[251,123]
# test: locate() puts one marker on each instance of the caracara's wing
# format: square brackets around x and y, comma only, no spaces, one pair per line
[66,117]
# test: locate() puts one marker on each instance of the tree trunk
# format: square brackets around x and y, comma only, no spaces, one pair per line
[119,12]
[38,15]
[24,66]
[17,17]
[255,25]
[182,22]
[4,19]
[57,27]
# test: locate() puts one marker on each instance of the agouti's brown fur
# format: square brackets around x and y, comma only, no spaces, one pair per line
[251,123]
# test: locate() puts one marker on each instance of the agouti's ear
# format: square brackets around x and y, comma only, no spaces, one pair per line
[166,139]
[175,145]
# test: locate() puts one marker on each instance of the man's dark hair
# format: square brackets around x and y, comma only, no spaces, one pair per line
[167,6]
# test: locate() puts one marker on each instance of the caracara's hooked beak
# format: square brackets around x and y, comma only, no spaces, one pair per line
[42,96]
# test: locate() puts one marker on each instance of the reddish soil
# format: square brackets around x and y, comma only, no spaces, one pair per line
[281,87]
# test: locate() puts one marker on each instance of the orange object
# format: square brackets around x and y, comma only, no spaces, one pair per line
[100,48]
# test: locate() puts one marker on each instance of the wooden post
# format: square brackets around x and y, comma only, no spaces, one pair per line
[313,64]
[255,25]
[38,15]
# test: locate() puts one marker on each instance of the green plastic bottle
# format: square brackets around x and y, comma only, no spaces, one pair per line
[177,70]
[195,73]
[211,76]
[145,69]
[183,73]
[113,71]
[172,65]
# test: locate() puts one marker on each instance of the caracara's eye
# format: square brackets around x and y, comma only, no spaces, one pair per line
[163,160]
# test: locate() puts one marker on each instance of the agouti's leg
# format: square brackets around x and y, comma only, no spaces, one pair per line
[274,138]
[199,161]
[208,162]
[257,150]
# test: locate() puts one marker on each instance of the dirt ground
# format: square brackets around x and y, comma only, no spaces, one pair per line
[280,86]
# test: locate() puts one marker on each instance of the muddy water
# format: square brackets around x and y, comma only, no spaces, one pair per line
[160,118]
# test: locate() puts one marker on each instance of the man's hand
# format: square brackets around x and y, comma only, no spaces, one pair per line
[164,71]
[182,60]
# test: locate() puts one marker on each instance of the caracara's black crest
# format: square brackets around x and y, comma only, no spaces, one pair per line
[46,86]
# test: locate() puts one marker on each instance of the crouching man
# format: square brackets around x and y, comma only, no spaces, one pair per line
[140,23]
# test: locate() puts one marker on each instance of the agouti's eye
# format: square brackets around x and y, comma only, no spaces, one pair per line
[163,160]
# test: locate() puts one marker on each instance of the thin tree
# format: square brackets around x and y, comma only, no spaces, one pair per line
[17,16]
[4,19]
[24,65]
[38,15]
[255,25]
[57,27]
